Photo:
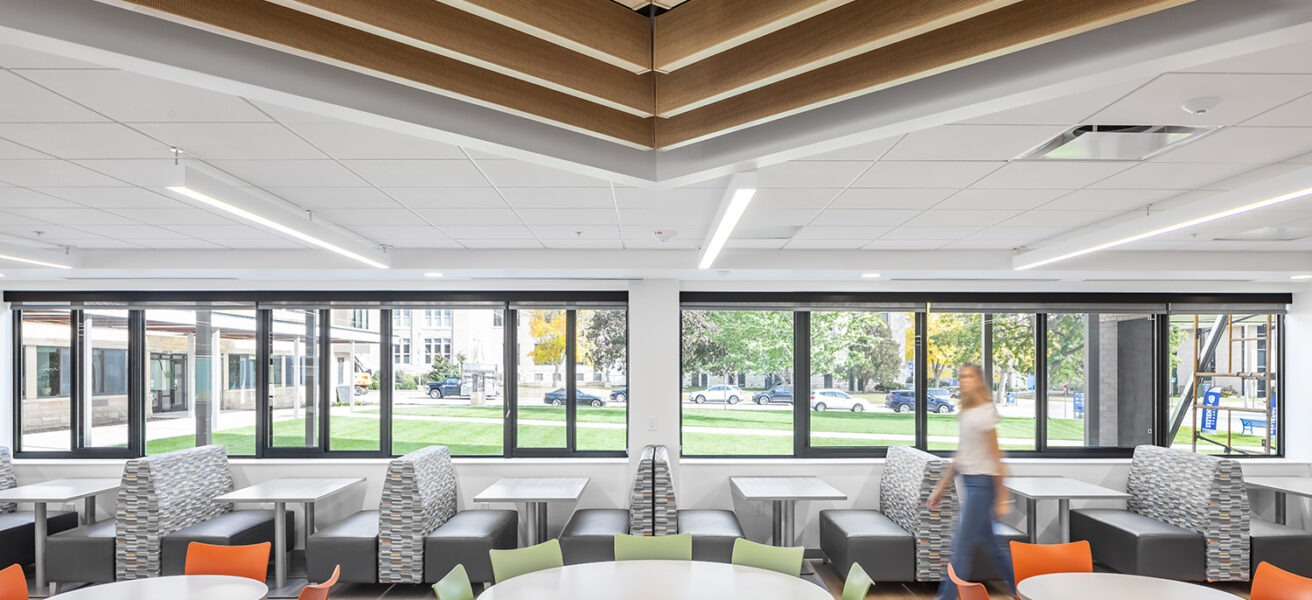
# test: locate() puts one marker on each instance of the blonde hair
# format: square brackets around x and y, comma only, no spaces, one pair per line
[980,394]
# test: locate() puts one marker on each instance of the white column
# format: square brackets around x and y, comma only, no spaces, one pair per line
[7,375]
[654,367]
[1298,388]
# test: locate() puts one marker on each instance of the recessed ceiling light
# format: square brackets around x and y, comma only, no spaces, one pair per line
[434,274]
[1300,276]
[739,193]
[870,275]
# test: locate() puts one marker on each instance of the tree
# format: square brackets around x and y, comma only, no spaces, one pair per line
[548,330]
[730,342]
[443,367]
[703,350]
[954,339]
[858,344]
[603,339]
[1066,350]
[1013,346]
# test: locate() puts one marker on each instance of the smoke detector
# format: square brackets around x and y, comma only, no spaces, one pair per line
[1200,106]
[664,236]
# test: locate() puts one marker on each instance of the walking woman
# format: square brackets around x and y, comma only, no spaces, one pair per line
[979,462]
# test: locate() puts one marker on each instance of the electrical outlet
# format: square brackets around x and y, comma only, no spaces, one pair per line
[651,423]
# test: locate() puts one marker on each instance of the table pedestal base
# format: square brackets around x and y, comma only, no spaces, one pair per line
[535,522]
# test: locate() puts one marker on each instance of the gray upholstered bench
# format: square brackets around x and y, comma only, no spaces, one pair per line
[904,540]
[351,543]
[1286,547]
[1187,518]
[18,528]
[589,535]
[713,530]
[236,528]
[466,540]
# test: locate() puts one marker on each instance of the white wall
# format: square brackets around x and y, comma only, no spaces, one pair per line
[6,375]
[1298,387]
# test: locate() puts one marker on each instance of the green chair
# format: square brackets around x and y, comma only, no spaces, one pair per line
[455,586]
[644,547]
[771,558]
[521,561]
[856,587]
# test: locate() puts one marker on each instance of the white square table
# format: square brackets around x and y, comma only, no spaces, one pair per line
[1282,486]
[535,493]
[1061,489]
[280,492]
[58,491]
[784,492]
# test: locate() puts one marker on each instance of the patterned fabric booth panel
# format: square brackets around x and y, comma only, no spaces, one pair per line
[7,479]
[162,494]
[419,495]
[665,509]
[641,508]
[909,478]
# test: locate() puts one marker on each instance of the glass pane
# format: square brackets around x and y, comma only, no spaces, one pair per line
[455,397]
[601,379]
[541,394]
[728,358]
[355,396]
[1228,362]
[46,381]
[1012,366]
[295,403]
[1100,380]
[859,373]
[954,339]
[200,380]
[105,397]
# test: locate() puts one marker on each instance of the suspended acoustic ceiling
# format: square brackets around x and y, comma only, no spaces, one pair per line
[699,69]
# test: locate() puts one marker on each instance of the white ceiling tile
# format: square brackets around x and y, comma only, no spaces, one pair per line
[972,142]
[643,234]
[590,216]
[931,233]
[774,244]
[1255,176]
[652,244]
[418,173]
[1170,176]
[50,173]
[500,243]
[85,140]
[111,198]
[346,217]
[665,218]
[222,232]
[142,172]
[18,57]
[903,245]
[159,243]
[341,139]
[318,198]
[876,198]
[13,197]
[243,141]
[516,173]
[425,243]
[1069,110]
[444,218]
[26,102]
[24,217]
[134,231]
[1306,158]
[261,243]
[1058,175]
[391,233]
[1057,218]
[776,217]
[1243,96]
[961,217]
[825,244]
[873,218]
[925,174]
[103,243]
[1015,236]
[683,198]
[868,152]
[581,244]
[291,173]
[572,232]
[846,233]
[999,199]
[173,216]
[810,174]
[972,243]
[1294,114]
[1290,58]
[788,198]
[11,150]
[133,98]
[559,198]
[473,197]
[76,216]
[1109,200]
[1243,145]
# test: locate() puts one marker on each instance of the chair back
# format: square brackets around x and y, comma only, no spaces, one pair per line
[1028,560]
[644,547]
[320,591]
[251,562]
[13,583]
[454,586]
[419,495]
[1273,583]
[521,561]
[908,480]
[771,558]
[967,590]
[858,583]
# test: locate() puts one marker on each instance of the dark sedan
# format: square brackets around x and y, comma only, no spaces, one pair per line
[779,393]
[582,398]
[904,401]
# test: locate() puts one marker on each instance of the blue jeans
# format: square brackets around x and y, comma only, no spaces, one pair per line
[974,538]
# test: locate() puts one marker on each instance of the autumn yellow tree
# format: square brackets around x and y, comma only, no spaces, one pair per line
[548,330]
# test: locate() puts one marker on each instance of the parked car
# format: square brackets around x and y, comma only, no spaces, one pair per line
[718,393]
[619,395]
[447,387]
[582,398]
[904,401]
[778,393]
[827,398]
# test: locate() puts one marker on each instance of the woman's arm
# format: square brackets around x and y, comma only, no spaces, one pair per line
[1002,502]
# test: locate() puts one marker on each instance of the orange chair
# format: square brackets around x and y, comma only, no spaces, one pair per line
[320,592]
[967,590]
[239,561]
[1028,560]
[13,583]
[1273,583]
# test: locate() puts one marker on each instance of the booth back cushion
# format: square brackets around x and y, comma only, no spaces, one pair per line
[419,495]
[1204,494]
[652,507]
[640,500]
[909,477]
[7,479]
[162,494]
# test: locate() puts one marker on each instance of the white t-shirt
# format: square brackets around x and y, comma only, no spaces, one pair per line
[974,453]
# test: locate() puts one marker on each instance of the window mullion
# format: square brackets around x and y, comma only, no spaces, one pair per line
[571,381]
[386,384]
[801,383]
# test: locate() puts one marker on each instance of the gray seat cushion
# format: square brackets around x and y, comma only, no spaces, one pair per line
[1283,546]
[713,533]
[983,569]
[236,528]
[351,543]
[869,538]
[1128,542]
[16,531]
[466,540]
[589,535]
[82,554]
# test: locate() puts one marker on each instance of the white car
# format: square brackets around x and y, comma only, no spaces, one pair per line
[825,399]
[731,394]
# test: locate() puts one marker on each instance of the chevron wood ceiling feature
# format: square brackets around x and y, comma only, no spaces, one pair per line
[700,69]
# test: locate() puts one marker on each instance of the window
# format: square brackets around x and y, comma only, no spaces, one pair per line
[540,410]
[361,319]
[860,362]
[435,319]
[603,353]
[241,372]
[953,339]
[401,350]
[436,349]
[1100,380]
[355,397]
[46,378]
[400,319]
[498,319]
[295,408]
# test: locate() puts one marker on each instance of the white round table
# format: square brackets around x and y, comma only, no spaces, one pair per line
[1102,586]
[179,587]
[655,580]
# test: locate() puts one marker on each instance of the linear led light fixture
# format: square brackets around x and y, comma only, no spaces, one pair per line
[35,257]
[213,193]
[1290,186]
[737,195]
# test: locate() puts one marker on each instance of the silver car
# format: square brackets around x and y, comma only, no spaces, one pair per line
[827,398]
[731,394]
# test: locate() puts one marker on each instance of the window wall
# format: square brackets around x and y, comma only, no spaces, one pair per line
[861,374]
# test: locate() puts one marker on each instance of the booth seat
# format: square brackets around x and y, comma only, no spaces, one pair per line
[416,535]
[18,528]
[165,503]
[1187,518]
[904,540]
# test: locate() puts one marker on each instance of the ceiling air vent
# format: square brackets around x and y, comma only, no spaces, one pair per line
[1116,142]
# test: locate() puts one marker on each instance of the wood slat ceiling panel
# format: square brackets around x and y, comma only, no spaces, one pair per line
[701,29]
[599,28]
